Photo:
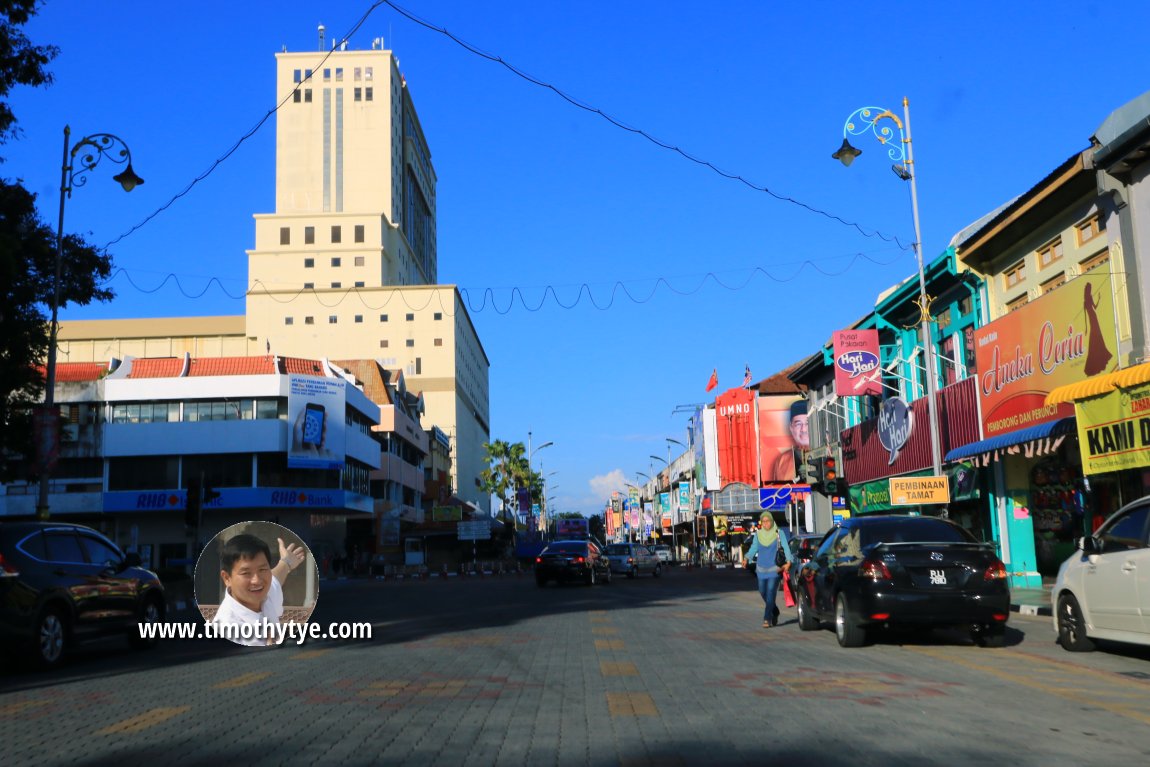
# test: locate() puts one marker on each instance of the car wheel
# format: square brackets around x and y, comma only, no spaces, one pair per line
[151,613]
[1072,626]
[849,633]
[989,635]
[51,637]
[658,571]
[634,572]
[807,619]
[540,581]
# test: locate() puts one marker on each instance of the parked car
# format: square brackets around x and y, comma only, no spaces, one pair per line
[803,547]
[663,552]
[1103,589]
[572,561]
[914,572]
[632,559]
[64,583]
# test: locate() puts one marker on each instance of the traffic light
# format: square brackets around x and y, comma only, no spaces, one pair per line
[830,477]
[194,503]
[811,472]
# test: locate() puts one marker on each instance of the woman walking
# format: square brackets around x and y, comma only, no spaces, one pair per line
[769,540]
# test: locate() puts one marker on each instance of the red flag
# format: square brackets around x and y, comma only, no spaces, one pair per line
[714,380]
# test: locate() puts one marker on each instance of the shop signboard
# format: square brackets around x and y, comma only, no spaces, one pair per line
[737,432]
[895,423]
[1065,336]
[857,370]
[446,513]
[1114,430]
[918,491]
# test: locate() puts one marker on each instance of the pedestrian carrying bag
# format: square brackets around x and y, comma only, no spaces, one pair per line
[780,555]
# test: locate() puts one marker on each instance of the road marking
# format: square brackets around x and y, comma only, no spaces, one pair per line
[243,680]
[621,668]
[310,654]
[16,708]
[600,619]
[604,631]
[144,720]
[608,644]
[631,704]
[1077,695]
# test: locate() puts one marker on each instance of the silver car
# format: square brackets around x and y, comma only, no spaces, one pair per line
[631,559]
[1103,590]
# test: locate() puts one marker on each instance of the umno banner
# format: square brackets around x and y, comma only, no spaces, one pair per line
[857,370]
[737,433]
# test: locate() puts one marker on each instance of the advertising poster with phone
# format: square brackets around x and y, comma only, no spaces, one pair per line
[316,417]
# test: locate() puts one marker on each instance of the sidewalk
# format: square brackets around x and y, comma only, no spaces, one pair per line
[1032,601]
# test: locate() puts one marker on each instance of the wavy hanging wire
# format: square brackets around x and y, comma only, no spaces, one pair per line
[487,297]
[528,78]
[639,131]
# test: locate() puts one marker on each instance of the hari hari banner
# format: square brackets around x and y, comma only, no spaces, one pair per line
[857,370]
[1065,336]
[1114,430]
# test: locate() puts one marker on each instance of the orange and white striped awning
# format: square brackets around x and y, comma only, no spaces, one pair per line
[1097,385]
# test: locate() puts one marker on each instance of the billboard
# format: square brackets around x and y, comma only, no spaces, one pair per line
[1066,336]
[316,414]
[782,435]
[736,427]
[571,527]
[857,369]
[1114,430]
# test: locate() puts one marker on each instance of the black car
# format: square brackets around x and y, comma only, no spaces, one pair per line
[62,583]
[803,547]
[913,572]
[572,561]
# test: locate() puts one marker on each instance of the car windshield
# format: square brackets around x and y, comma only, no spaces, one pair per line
[914,530]
[567,547]
[618,548]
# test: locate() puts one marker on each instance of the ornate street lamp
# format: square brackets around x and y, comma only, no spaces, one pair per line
[78,161]
[877,121]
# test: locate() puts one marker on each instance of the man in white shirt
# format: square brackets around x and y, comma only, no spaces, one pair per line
[255,597]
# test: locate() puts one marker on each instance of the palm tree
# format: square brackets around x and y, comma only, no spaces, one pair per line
[507,470]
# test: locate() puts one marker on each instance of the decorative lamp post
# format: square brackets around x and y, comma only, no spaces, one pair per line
[872,120]
[78,161]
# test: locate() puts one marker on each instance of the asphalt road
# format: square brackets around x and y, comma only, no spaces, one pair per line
[669,671]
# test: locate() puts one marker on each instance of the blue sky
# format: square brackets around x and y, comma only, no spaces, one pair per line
[535,192]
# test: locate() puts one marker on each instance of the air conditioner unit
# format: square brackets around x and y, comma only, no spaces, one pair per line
[70,432]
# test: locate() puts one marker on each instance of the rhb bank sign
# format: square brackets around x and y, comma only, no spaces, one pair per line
[857,370]
[1066,336]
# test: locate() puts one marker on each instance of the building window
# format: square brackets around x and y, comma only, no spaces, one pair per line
[309,286]
[326,75]
[358,319]
[1098,259]
[285,235]
[336,285]
[309,320]
[296,97]
[1015,274]
[383,318]
[1049,254]
[383,344]
[309,235]
[297,76]
[309,263]
[359,261]
[367,94]
[947,360]
[307,95]
[359,284]
[336,261]
[357,74]
[410,318]
[332,319]
[943,318]
[357,94]
[1088,230]
[289,320]
[419,366]
[410,342]
[439,342]
[1017,303]
[1053,283]
[439,315]
[367,72]
[965,306]
[359,232]
[336,235]
[339,74]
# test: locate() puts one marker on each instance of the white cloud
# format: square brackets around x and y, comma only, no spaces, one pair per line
[604,484]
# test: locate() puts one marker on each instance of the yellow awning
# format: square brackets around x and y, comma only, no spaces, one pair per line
[1092,387]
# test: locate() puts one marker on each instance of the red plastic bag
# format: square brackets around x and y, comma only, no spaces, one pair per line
[788,596]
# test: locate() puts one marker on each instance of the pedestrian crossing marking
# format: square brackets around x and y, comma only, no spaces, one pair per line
[144,720]
[621,668]
[608,644]
[243,680]
[631,704]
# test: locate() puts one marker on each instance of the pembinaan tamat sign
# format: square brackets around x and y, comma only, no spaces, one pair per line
[914,491]
[1114,430]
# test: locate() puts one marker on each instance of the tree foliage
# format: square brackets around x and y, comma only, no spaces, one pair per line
[28,253]
[507,470]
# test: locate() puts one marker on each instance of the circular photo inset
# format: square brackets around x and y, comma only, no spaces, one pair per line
[256,583]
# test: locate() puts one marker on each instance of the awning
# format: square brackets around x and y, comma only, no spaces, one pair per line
[1096,385]
[1042,439]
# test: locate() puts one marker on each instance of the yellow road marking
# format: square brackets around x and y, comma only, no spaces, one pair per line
[15,708]
[310,654]
[604,631]
[608,644]
[623,668]
[600,619]
[243,680]
[1075,695]
[631,704]
[144,720]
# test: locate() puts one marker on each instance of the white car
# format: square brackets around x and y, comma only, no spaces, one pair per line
[1103,590]
[663,552]
[633,559]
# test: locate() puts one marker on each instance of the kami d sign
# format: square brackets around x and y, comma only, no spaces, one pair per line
[915,491]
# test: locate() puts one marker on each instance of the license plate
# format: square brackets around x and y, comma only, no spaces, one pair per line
[938,577]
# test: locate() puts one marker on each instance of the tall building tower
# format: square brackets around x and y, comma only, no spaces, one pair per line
[347,266]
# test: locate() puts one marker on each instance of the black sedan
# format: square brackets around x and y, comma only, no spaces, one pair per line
[581,561]
[914,572]
[62,583]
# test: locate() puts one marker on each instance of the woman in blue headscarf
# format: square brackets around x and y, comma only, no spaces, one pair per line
[768,540]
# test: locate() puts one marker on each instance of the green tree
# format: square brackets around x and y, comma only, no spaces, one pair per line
[28,256]
[507,470]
